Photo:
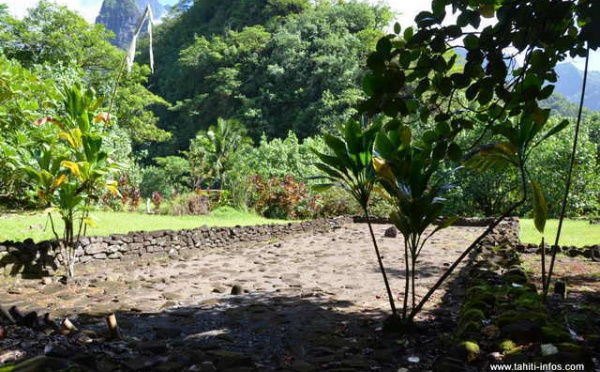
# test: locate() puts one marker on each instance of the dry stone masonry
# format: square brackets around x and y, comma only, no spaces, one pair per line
[28,258]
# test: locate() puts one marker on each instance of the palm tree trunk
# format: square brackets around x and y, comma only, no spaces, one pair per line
[569,177]
[407,275]
[381,267]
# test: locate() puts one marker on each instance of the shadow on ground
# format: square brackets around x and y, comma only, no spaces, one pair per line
[250,332]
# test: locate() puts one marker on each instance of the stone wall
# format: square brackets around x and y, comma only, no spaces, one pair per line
[34,259]
[462,221]
[506,233]
[589,251]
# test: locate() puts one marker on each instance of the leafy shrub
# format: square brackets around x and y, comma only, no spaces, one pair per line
[283,198]
[550,161]
[128,197]
[193,203]
[337,202]
[380,204]
[156,200]
[154,179]
[282,157]
[170,178]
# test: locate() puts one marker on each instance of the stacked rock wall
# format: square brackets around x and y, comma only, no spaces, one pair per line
[30,258]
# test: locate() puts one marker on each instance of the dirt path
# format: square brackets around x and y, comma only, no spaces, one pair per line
[305,301]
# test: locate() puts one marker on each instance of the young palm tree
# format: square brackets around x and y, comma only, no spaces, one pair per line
[351,168]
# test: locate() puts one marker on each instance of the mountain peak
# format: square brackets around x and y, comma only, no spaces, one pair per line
[122,17]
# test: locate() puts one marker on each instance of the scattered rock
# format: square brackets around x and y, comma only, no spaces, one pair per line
[45,363]
[236,290]
[167,332]
[391,232]
[303,366]
[560,289]
[522,331]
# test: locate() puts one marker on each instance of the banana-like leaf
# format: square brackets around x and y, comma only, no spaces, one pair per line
[112,187]
[496,155]
[337,145]
[332,172]
[382,168]
[92,145]
[73,168]
[58,181]
[559,127]
[73,137]
[540,208]
[384,145]
[352,136]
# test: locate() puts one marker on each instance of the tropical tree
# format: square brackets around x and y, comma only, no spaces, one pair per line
[276,66]
[71,173]
[407,171]
[414,82]
[211,152]
[351,168]
[22,96]
[59,44]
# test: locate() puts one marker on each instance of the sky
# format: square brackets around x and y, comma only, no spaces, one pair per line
[405,10]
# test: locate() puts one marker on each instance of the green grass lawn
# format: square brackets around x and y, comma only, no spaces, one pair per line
[36,225]
[574,233]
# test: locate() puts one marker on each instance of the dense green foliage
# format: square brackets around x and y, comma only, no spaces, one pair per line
[285,71]
[491,193]
[485,115]
[50,48]
[67,167]
[61,45]
[277,66]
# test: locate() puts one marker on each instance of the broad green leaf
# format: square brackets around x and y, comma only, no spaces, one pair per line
[438,6]
[559,127]
[384,47]
[454,152]
[471,42]
[546,92]
[540,208]
[336,144]
[382,168]
[408,33]
[383,145]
